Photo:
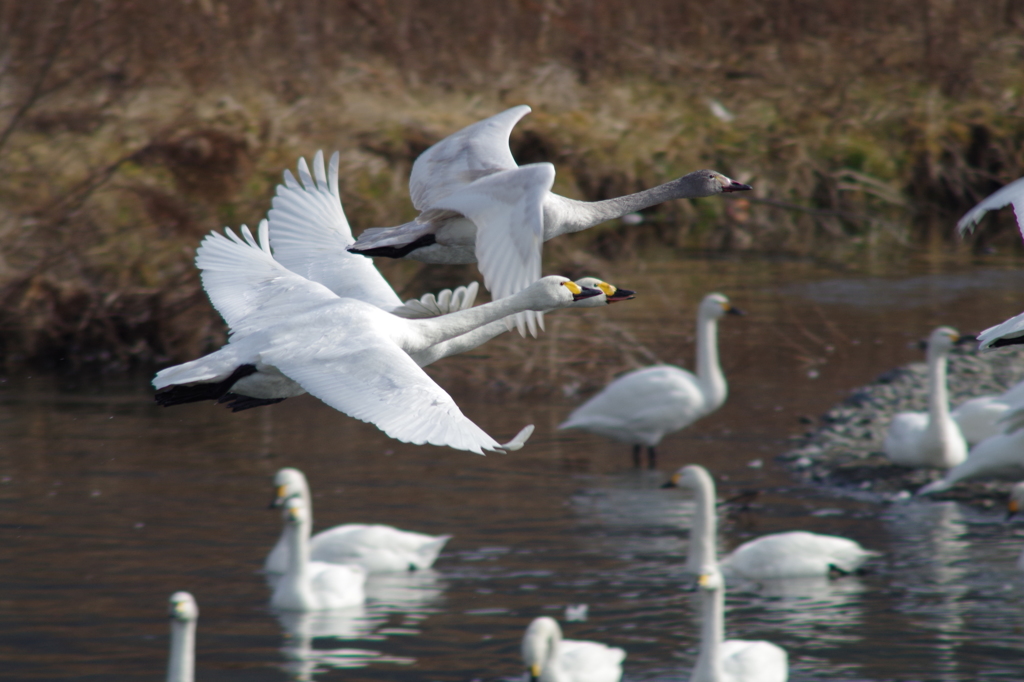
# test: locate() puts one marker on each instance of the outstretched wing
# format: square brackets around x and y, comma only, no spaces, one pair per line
[373,380]
[507,208]
[309,233]
[462,157]
[447,301]
[1011,194]
[248,287]
[1008,333]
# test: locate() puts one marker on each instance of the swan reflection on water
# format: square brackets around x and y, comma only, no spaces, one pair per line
[396,603]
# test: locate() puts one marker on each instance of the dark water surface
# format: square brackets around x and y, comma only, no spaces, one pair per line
[108,504]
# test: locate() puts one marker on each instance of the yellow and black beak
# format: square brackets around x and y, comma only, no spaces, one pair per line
[734,186]
[672,482]
[279,497]
[579,293]
[1011,510]
[619,294]
[733,310]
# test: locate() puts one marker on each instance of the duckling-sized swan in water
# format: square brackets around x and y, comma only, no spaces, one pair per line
[549,658]
[182,660]
[312,585]
[643,406]
[377,548]
[1001,456]
[731,660]
[932,438]
[352,355]
[477,205]
[795,554]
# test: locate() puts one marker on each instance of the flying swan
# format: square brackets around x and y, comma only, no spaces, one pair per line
[376,548]
[549,658]
[643,406]
[477,205]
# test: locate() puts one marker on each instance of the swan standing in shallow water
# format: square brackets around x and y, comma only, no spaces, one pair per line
[932,438]
[794,554]
[376,548]
[182,660]
[643,406]
[313,585]
[549,658]
[352,355]
[477,205]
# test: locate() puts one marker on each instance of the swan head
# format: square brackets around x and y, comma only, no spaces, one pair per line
[692,477]
[706,183]
[611,293]
[287,483]
[1016,503]
[710,579]
[182,607]
[942,340]
[716,305]
[539,643]
[552,292]
[295,511]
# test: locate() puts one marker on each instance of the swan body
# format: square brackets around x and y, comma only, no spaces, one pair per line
[643,406]
[351,354]
[999,456]
[796,554]
[376,548]
[985,416]
[182,660]
[313,585]
[549,658]
[929,439]
[477,205]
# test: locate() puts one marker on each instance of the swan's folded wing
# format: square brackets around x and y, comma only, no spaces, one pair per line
[459,159]
[248,287]
[446,301]
[1003,334]
[309,233]
[377,382]
[508,210]
[1011,194]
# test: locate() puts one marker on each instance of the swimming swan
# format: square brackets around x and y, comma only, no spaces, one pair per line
[932,438]
[377,548]
[549,658]
[643,406]
[352,355]
[794,554]
[477,205]
[1010,332]
[312,585]
[182,660]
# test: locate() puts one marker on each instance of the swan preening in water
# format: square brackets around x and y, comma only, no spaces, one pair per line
[549,658]
[181,662]
[794,554]
[312,585]
[477,205]
[376,548]
[643,406]
[932,438]
[729,660]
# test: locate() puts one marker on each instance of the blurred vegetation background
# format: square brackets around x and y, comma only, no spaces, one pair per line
[130,129]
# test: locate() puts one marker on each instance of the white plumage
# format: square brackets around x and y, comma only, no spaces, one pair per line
[181,661]
[549,658]
[983,417]
[1001,456]
[377,548]
[478,205]
[795,554]
[643,406]
[929,439]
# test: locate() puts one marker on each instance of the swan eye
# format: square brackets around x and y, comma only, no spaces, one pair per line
[573,288]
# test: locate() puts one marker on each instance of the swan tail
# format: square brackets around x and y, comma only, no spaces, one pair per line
[179,394]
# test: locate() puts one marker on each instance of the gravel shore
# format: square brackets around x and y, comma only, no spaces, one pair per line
[845,451]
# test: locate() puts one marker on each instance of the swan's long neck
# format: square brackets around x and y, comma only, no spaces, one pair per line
[182,661]
[573,215]
[709,371]
[295,581]
[436,330]
[712,629]
[938,396]
[703,528]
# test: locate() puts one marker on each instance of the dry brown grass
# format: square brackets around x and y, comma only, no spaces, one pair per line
[128,130]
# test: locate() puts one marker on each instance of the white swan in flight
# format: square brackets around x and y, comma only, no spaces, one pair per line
[477,205]
[1010,332]
[181,663]
[998,457]
[549,658]
[309,234]
[377,548]
[932,438]
[313,585]
[643,406]
[793,554]
[732,660]
[352,355]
